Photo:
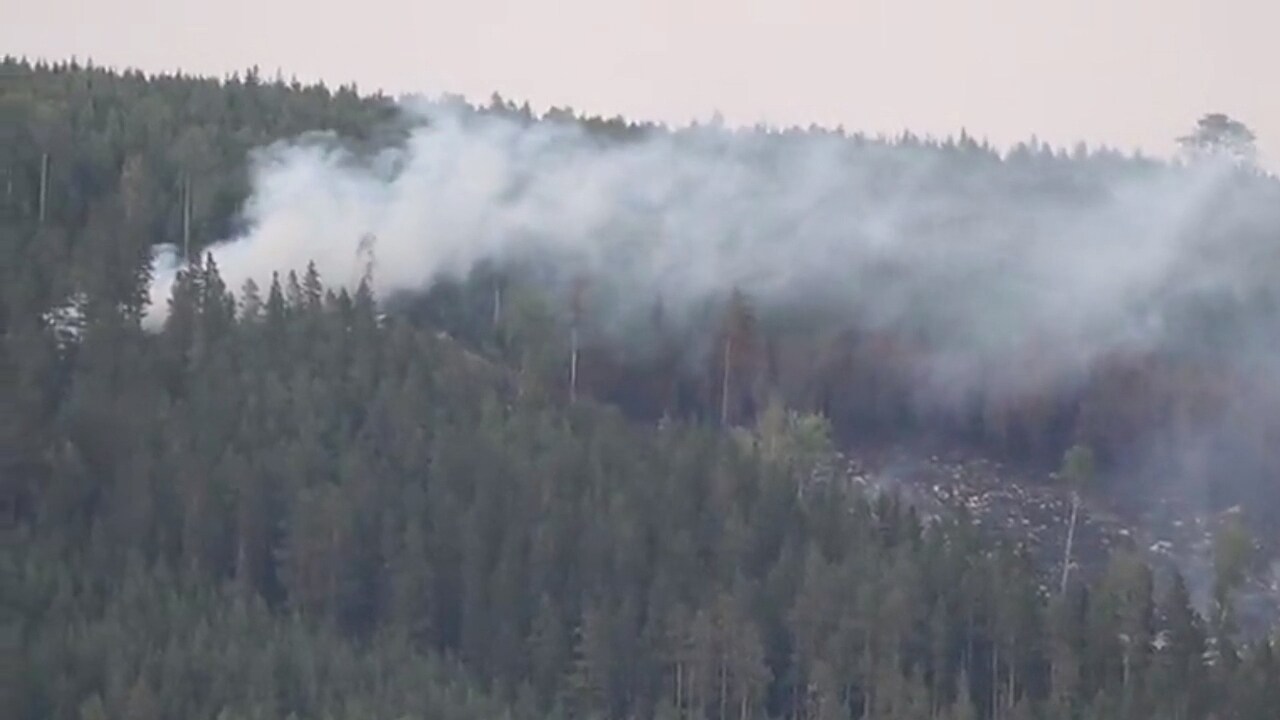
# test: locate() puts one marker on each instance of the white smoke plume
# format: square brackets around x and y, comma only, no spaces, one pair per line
[1085,255]
[1079,257]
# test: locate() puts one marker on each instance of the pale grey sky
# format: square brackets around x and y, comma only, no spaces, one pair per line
[1130,73]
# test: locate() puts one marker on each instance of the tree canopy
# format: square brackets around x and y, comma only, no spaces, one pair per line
[1218,135]
[302,501]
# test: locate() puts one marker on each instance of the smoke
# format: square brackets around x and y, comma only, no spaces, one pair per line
[1077,259]
[1085,256]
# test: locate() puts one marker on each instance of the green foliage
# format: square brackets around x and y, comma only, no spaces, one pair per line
[1078,467]
[1232,554]
[791,442]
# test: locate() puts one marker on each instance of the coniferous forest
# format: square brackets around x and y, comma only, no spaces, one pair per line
[299,500]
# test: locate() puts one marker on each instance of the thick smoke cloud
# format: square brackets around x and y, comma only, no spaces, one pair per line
[1083,256]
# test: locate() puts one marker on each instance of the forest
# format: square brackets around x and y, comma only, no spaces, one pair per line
[303,497]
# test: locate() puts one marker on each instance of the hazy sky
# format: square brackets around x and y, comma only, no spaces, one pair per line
[1130,73]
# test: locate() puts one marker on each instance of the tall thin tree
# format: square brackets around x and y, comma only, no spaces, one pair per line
[737,336]
[1077,471]
[44,185]
[576,310]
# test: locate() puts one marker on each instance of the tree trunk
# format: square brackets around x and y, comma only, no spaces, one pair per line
[869,696]
[724,688]
[724,383]
[242,563]
[44,185]
[1071,535]
[1128,697]
[497,304]
[334,579]
[573,364]
[186,218]
[995,681]
[966,655]
[695,696]
[1011,700]
[796,699]
[679,688]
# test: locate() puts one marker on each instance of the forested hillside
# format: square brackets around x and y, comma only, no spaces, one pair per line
[304,500]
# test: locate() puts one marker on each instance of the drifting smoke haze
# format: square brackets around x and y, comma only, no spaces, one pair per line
[1081,257]
[1018,275]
